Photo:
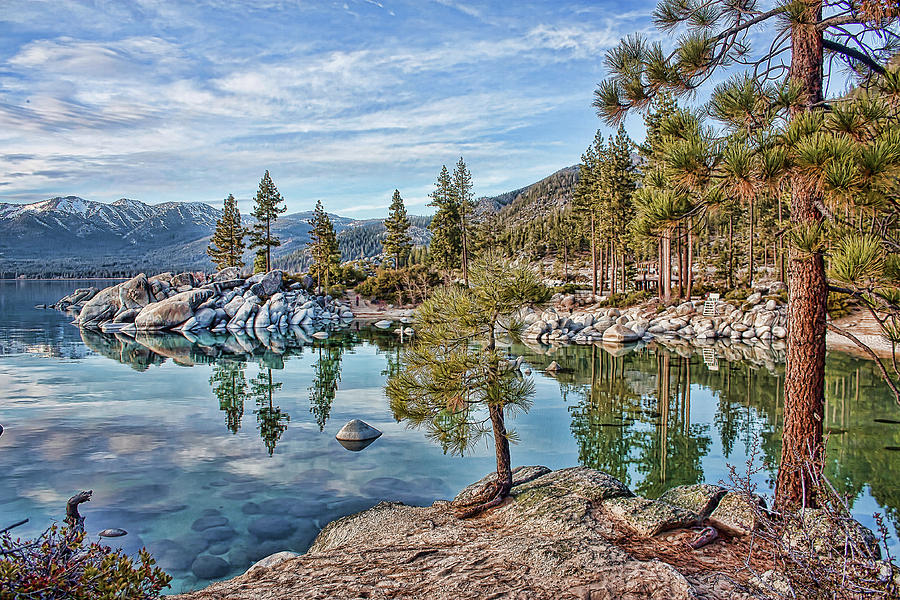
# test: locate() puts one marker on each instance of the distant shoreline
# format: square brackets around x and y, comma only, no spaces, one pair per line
[67,279]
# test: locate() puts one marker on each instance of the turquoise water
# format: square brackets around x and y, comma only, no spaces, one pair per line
[196,452]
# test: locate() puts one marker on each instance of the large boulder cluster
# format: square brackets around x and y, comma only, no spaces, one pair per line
[224,302]
[756,319]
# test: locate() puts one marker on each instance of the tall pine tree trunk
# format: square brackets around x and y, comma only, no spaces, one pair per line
[680,258]
[603,259]
[593,255]
[730,251]
[612,270]
[750,259]
[623,269]
[659,268]
[690,262]
[781,274]
[268,247]
[804,401]
[667,265]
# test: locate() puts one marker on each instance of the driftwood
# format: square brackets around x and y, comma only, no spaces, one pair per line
[14,525]
[73,517]
[706,536]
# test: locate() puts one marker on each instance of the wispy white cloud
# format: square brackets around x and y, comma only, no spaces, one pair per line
[193,102]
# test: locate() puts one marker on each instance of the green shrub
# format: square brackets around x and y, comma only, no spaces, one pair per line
[625,300]
[411,284]
[59,564]
[737,294]
[566,288]
[839,305]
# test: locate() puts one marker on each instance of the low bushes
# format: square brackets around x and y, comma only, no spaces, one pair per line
[409,284]
[59,564]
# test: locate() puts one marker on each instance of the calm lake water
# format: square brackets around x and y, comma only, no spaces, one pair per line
[197,453]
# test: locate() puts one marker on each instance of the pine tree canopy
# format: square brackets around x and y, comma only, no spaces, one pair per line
[323,247]
[445,384]
[226,248]
[269,204]
[397,242]
[446,241]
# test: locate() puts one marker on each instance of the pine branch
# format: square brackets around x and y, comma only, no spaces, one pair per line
[854,54]
[887,378]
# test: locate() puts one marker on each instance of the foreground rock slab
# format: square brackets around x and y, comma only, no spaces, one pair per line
[551,539]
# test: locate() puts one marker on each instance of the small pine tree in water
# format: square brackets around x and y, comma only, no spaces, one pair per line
[454,381]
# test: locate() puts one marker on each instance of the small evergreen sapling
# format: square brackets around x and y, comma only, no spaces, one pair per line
[454,381]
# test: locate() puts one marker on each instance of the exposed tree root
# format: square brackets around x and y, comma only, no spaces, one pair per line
[491,494]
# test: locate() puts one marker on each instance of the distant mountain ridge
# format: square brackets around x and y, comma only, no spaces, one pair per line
[69,236]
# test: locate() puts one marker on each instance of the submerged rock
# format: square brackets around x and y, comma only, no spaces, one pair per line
[210,567]
[271,528]
[550,540]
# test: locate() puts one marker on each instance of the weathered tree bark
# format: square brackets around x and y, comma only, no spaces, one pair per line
[750,264]
[730,251]
[690,262]
[493,494]
[801,449]
[593,255]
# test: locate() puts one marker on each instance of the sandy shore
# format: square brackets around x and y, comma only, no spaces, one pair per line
[862,325]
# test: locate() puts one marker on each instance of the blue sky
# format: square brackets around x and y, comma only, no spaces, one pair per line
[342,101]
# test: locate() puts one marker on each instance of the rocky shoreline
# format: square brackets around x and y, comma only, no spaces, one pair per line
[223,303]
[571,533]
[761,318]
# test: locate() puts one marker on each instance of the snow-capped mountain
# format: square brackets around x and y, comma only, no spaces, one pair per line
[73,236]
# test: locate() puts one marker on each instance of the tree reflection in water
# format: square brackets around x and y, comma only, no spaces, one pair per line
[631,411]
[327,374]
[230,386]
[270,419]
[633,416]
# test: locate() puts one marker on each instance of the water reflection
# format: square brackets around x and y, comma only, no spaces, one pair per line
[163,445]
[270,419]
[633,415]
[327,374]
[229,384]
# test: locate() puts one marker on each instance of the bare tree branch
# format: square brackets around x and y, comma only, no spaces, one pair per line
[872,355]
[854,54]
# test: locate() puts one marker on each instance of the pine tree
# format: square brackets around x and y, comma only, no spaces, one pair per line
[718,34]
[266,210]
[323,247]
[397,242]
[446,240]
[617,182]
[586,200]
[462,185]
[455,390]
[226,248]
